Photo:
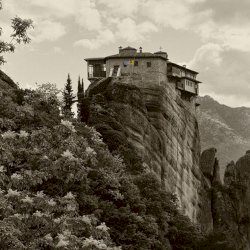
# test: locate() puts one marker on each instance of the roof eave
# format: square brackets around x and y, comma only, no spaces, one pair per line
[94,59]
[134,57]
[184,68]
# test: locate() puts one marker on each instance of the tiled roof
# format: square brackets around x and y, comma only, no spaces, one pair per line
[137,55]
[160,52]
[184,68]
[128,48]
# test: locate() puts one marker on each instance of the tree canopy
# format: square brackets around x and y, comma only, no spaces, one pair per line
[68,99]
[19,35]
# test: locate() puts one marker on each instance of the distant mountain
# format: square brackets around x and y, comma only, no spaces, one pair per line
[224,128]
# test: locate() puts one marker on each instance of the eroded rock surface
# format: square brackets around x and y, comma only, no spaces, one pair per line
[6,82]
[161,127]
[229,202]
[237,207]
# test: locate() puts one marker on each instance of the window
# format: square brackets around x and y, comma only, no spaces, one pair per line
[104,67]
[115,71]
[125,63]
[91,70]
[148,64]
[136,63]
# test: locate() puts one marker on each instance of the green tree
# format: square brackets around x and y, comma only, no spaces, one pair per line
[80,98]
[20,27]
[43,170]
[68,99]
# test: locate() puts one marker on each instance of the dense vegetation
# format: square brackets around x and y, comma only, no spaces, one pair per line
[62,188]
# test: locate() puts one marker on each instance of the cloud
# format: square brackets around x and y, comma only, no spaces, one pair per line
[224,72]
[207,57]
[55,8]
[235,36]
[217,21]
[120,8]
[172,13]
[132,32]
[226,23]
[47,31]
[226,11]
[85,13]
[103,38]
[58,50]
[127,29]
[88,16]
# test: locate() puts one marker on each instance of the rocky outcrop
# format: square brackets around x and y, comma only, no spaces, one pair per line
[208,162]
[229,205]
[6,82]
[159,125]
[237,186]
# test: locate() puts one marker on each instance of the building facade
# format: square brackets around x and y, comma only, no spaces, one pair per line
[148,66]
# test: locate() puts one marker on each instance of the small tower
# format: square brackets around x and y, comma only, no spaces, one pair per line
[162,53]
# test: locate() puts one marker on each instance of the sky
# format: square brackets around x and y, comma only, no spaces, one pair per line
[209,36]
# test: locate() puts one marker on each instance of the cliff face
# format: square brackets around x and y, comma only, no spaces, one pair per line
[229,203]
[237,198]
[160,126]
[5,81]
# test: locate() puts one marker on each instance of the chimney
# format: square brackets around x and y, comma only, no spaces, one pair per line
[140,49]
[184,65]
[120,48]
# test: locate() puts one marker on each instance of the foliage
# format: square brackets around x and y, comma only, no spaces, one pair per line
[43,171]
[68,99]
[62,188]
[219,240]
[20,28]
[80,99]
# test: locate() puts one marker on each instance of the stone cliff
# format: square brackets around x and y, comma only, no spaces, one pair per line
[237,200]
[229,202]
[161,128]
[5,81]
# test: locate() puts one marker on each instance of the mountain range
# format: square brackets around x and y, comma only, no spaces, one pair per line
[225,128]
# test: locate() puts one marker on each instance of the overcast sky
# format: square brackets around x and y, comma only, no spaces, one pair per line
[210,36]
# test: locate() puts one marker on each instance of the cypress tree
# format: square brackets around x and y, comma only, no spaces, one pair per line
[80,98]
[68,99]
[83,87]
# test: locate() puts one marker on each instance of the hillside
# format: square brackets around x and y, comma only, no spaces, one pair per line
[225,128]
[63,183]
[60,183]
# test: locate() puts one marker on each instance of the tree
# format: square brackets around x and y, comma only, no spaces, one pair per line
[20,27]
[42,173]
[80,98]
[68,99]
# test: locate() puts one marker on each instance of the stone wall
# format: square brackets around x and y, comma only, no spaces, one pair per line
[156,73]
